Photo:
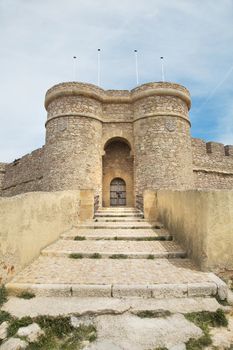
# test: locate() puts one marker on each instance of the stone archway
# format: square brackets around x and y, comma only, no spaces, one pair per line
[118,163]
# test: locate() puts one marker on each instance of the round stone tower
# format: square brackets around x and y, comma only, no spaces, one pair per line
[73,157]
[162,141]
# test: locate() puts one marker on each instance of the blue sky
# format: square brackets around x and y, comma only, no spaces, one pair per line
[39,38]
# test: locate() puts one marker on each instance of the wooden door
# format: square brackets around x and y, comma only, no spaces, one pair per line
[117,193]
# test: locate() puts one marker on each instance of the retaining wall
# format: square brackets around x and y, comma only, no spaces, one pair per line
[30,222]
[201,221]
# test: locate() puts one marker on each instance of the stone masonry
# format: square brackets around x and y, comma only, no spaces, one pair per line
[141,136]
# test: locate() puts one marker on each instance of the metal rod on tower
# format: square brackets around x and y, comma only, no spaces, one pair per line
[75,68]
[98,79]
[136,65]
[162,68]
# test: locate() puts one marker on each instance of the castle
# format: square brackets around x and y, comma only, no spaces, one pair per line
[119,143]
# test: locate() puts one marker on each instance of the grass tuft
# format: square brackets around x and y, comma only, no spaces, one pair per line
[96,256]
[26,295]
[79,238]
[205,320]
[118,256]
[4,316]
[58,326]
[60,334]
[3,295]
[76,256]
[151,257]
[153,313]
[16,323]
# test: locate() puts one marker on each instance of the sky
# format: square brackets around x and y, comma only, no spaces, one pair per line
[38,39]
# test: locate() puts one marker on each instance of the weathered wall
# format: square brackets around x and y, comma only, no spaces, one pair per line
[118,162]
[24,174]
[2,174]
[213,165]
[73,157]
[162,138]
[202,221]
[30,222]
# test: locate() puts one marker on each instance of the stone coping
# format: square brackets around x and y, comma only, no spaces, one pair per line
[117,96]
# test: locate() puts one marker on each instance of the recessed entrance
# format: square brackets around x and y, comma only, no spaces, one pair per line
[117,192]
[118,174]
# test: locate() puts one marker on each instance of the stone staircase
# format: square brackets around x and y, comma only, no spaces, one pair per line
[117,254]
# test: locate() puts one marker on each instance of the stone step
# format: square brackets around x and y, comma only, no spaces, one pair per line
[159,278]
[118,219]
[108,249]
[55,306]
[118,234]
[119,212]
[118,215]
[121,225]
[117,208]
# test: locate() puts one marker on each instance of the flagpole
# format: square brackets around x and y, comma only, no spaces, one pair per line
[98,78]
[162,68]
[136,66]
[75,68]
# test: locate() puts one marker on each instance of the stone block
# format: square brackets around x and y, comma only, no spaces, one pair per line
[201,289]
[120,291]
[3,330]
[31,332]
[91,291]
[222,289]
[14,344]
[169,291]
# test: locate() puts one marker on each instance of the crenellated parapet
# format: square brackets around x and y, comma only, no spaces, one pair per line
[212,164]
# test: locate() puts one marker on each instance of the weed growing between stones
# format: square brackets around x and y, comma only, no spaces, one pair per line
[4,316]
[76,256]
[150,257]
[222,302]
[26,295]
[60,334]
[205,320]
[79,238]
[16,323]
[96,256]
[153,314]
[3,295]
[118,256]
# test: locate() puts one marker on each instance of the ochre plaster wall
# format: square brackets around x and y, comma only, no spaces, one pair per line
[202,221]
[30,222]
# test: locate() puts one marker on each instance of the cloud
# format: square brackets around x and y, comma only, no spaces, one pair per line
[39,38]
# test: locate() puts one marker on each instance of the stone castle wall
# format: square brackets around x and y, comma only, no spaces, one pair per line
[162,138]
[2,174]
[212,165]
[23,175]
[153,120]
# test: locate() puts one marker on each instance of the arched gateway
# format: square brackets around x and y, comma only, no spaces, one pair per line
[117,173]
